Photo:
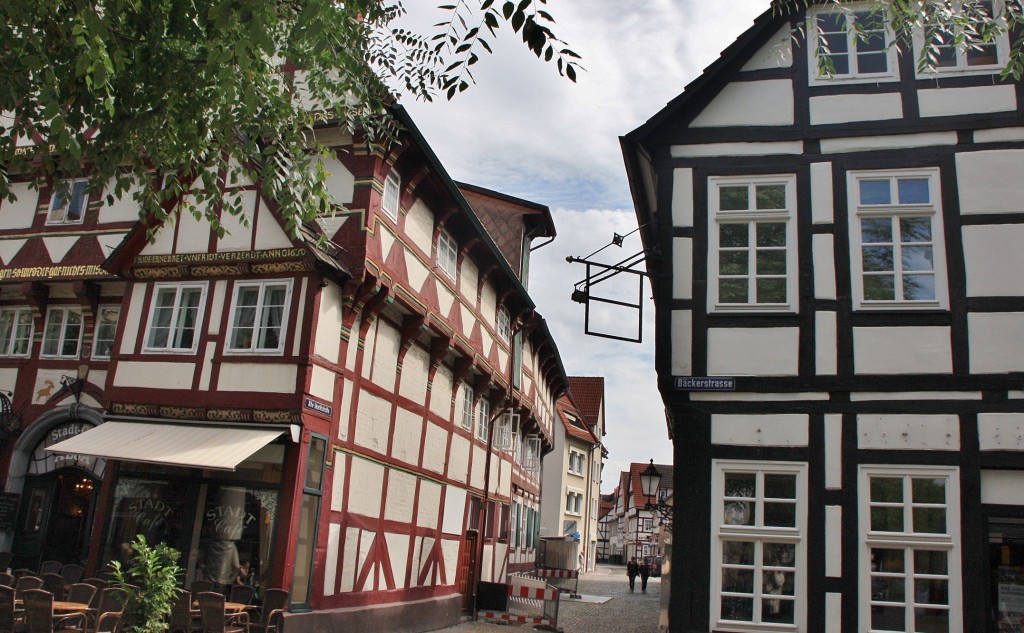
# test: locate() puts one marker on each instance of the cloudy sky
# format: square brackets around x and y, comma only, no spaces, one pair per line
[527,132]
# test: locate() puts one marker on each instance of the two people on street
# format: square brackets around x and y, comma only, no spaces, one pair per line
[634,569]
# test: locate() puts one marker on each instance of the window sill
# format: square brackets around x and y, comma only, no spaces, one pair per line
[751,308]
[897,306]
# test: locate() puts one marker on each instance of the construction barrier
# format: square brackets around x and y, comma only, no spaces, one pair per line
[567,580]
[528,601]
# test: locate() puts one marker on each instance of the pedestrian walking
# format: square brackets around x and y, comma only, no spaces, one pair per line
[645,572]
[632,569]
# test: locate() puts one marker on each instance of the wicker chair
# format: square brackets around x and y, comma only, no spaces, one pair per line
[50,567]
[54,583]
[8,623]
[72,573]
[199,586]
[216,619]
[23,584]
[39,615]
[242,593]
[185,619]
[107,614]
[275,601]
[6,579]
[80,592]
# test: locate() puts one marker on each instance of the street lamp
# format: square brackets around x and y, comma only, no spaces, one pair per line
[650,482]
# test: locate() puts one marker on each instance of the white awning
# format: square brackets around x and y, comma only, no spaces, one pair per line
[191,445]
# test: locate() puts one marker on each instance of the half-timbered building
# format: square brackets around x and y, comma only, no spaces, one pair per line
[835,266]
[355,412]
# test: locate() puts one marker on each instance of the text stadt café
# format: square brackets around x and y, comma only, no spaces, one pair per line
[356,413]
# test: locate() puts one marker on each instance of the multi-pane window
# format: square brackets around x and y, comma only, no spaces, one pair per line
[174,317]
[909,571]
[851,43]
[447,253]
[483,424]
[758,544]
[15,331]
[258,314]
[106,327]
[504,324]
[752,243]
[62,335]
[897,246]
[68,203]
[943,53]
[392,193]
[573,502]
[467,407]
[576,461]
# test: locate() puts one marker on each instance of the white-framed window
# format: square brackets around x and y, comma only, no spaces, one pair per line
[752,248]
[69,202]
[106,328]
[573,502]
[175,316]
[576,461]
[62,334]
[531,461]
[758,545]
[392,194]
[897,247]
[946,56]
[504,324]
[910,537]
[16,327]
[483,424]
[504,436]
[852,44]
[578,504]
[447,253]
[259,316]
[648,525]
[467,407]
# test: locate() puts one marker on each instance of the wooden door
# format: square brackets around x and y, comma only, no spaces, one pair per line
[467,570]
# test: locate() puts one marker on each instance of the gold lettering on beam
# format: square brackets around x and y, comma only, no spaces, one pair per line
[52,272]
[234,256]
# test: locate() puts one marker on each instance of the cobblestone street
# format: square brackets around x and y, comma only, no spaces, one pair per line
[624,613]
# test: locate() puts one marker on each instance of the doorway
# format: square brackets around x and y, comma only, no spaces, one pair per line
[55,522]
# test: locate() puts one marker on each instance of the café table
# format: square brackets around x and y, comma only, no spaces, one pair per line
[65,606]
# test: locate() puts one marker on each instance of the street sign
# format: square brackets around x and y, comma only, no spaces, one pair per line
[704,383]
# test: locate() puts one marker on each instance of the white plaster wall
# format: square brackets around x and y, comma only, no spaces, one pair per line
[373,422]
[365,498]
[821,193]
[976,100]
[890,141]
[331,567]
[20,213]
[398,550]
[217,303]
[415,368]
[682,270]
[831,109]
[419,226]
[824,266]
[468,319]
[321,383]
[340,182]
[488,303]
[826,354]
[454,510]
[58,247]
[300,317]
[705,150]
[327,338]
[1002,487]
[193,233]
[833,613]
[163,240]
[782,429]
[999,135]
[476,477]
[1001,431]
[345,409]
[908,432]
[257,377]
[133,315]
[385,355]
[458,459]
[269,233]
[867,396]
[401,497]
[682,197]
[729,351]
[469,275]
[995,342]
[350,560]
[445,297]
[418,273]
[990,181]
[206,369]
[833,541]
[406,442]
[238,229]
[682,342]
[833,451]
[902,350]
[9,249]
[429,507]
[774,99]
[338,487]
[505,478]
[776,53]
[9,376]
[450,552]
[435,448]
[441,392]
[154,375]
[989,252]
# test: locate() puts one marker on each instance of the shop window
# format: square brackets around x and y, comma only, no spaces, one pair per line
[106,328]
[174,317]
[1006,571]
[236,537]
[259,315]
[312,493]
[62,336]
[15,331]
[153,508]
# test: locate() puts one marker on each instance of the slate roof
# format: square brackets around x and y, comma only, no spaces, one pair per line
[588,393]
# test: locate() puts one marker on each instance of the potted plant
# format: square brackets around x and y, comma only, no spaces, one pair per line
[151,580]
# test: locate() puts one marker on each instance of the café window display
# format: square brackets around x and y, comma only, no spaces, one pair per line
[1006,569]
[236,534]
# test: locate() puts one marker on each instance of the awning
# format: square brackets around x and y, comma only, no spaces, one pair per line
[191,445]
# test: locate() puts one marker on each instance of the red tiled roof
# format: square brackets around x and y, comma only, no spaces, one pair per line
[636,487]
[566,406]
[588,393]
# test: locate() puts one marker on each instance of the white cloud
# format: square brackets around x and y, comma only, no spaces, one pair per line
[527,132]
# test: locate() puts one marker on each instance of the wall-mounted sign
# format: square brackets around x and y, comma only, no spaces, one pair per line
[704,383]
[319,407]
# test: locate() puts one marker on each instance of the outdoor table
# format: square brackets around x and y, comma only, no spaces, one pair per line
[63,605]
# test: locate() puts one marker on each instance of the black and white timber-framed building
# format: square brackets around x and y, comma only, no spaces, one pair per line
[848,249]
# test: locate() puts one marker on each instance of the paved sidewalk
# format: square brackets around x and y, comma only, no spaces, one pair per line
[624,613]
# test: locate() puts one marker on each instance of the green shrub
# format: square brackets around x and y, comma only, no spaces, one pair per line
[151,580]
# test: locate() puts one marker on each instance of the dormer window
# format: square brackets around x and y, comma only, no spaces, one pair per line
[851,44]
[447,254]
[947,56]
[392,193]
[68,203]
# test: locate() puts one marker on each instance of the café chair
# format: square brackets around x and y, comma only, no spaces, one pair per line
[199,586]
[54,583]
[18,573]
[8,620]
[80,592]
[107,613]
[39,615]
[23,584]
[216,620]
[275,601]
[185,619]
[50,567]
[242,593]
[72,573]
[6,579]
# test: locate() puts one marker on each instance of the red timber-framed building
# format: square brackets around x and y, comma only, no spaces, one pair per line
[359,419]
